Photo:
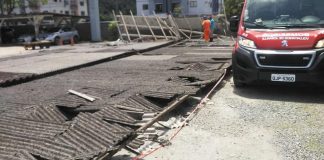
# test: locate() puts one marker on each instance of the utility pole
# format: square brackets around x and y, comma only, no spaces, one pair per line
[94,20]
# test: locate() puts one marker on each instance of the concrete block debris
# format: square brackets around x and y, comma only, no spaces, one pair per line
[172,123]
[115,43]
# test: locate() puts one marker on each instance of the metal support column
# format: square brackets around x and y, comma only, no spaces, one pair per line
[1,23]
[94,20]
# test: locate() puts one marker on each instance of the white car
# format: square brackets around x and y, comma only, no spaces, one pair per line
[65,34]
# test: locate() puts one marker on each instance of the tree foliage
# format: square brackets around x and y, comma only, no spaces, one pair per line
[233,7]
[7,6]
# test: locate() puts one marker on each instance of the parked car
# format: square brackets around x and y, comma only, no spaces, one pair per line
[64,33]
[54,35]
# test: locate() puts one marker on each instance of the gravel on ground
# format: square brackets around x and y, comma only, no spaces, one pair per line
[253,123]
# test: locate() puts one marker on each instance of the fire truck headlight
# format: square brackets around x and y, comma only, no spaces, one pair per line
[246,42]
[320,44]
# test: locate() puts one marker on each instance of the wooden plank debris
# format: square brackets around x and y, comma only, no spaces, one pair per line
[160,26]
[84,96]
[125,26]
[119,31]
[134,21]
[149,26]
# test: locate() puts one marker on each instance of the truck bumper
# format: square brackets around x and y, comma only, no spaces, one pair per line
[247,69]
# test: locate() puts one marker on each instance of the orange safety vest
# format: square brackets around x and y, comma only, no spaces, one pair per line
[206,26]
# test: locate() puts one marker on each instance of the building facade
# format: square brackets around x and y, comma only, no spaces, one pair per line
[68,7]
[180,7]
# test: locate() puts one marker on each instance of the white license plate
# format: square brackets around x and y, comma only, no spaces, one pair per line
[283,78]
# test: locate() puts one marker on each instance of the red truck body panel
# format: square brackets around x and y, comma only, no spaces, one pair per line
[279,54]
[296,39]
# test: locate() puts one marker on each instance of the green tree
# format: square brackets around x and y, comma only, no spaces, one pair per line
[233,7]
[177,11]
[7,6]
[35,4]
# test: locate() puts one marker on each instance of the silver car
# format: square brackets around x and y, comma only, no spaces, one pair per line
[64,34]
[55,35]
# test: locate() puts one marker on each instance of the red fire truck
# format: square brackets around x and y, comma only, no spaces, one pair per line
[279,41]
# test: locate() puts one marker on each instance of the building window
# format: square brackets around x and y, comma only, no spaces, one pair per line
[158,8]
[67,12]
[192,3]
[82,13]
[66,2]
[81,3]
[176,7]
[55,0]
[145,6]
[61,12]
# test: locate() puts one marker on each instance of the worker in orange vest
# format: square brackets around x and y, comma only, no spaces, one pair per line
[206,27]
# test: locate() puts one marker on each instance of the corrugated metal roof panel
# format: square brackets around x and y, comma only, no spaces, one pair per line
[102,93]
[162,95]
[39,129]
[113,112]
[197,67]
[8,157]
[24,155]
[34,137]
[70,101]
[15,109]
[110,129]
[48,113]
[73,101]
[15,154]
[140,102]
[37,146]
[90,135]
